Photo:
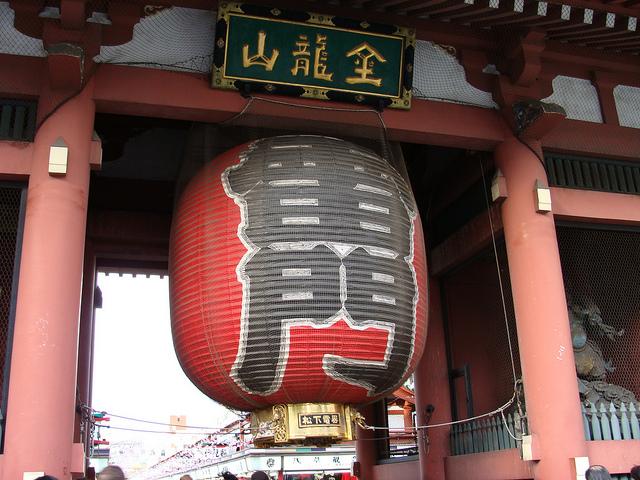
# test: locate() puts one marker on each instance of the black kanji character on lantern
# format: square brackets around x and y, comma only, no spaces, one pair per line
[329,230]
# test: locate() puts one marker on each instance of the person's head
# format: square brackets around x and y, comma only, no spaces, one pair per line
[111,472]
[259,475]
[597,472]
[229,476]
[635,473]
[186,477]
[46,477]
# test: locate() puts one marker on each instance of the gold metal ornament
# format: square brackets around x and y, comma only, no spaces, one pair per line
[304,424]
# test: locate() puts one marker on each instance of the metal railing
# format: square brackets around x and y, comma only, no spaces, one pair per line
[611,422]
[497,432]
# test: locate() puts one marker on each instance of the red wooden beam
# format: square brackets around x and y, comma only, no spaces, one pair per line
[609,33]
[595,207]
[380,4]
[587,138]
[449,14]
[403,6]
[434,7]
[589,58]
[15,160]
[21,76]
[466,242]
[158,93]
[611,40]
[553,17]
[471,12]
[530,12]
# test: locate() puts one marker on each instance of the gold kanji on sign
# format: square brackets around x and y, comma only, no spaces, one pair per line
[365,61]
[259,59]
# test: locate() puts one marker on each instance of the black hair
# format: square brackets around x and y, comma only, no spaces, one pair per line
[597,472]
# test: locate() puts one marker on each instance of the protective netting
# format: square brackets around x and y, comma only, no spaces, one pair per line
[178,38]
[10,212]
[627,105]
[578,97]
[14,42]
[601,276]
[478,334]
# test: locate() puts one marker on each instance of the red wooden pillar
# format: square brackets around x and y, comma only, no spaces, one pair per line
[366,453]
[544,338]
[42,388]
[432,388]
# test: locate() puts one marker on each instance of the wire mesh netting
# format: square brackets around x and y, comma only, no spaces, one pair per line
[10,204]
[601,277]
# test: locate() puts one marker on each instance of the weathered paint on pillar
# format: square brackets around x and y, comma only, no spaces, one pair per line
[366,452]
[42,388]
[546,354]
[431,380]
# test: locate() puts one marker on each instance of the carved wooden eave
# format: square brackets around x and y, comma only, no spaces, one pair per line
[70,36]
[610,26]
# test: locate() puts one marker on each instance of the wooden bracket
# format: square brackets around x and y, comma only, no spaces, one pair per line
[73,14]
[65,62]
[520,58]
[605,83]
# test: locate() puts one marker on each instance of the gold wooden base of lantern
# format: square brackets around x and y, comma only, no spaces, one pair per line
[304,423]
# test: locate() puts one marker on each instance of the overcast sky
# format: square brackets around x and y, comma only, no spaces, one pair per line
[136,372]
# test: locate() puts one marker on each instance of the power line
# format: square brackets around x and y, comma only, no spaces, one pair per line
[112,427]
[164,424]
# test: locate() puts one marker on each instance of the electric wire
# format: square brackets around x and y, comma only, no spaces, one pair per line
[141,430]
[386,151]
[540,159]
[495,253]
[133,419]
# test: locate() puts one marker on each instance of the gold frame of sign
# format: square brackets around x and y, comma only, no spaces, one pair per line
[305,424]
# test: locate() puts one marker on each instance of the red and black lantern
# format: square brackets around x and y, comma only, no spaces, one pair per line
[297,275]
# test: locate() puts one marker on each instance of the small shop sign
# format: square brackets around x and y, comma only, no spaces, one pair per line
[318,419]
[267,50]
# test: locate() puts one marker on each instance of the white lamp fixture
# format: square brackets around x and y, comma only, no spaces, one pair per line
[543,198]
[58,157]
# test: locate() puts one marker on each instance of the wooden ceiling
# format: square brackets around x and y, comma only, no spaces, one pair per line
[606,25]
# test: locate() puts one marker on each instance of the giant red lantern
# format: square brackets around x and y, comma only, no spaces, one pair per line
[297,275]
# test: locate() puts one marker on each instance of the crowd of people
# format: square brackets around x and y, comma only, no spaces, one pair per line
[113,472]
[202,453]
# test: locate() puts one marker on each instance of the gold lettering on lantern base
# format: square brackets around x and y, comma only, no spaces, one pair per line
[304,423]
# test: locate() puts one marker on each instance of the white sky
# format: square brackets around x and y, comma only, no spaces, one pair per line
[136,372]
